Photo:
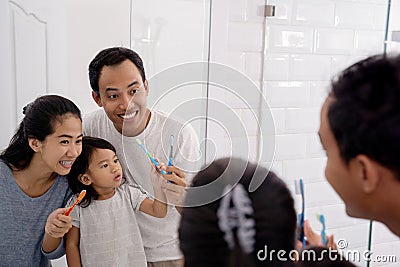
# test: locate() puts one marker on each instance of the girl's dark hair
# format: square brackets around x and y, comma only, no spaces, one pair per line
[81,165]
[202,241]
[364,114]
[110,57]
[40,119]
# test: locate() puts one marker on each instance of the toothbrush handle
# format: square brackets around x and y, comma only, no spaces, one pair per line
[157,166]
[170,163]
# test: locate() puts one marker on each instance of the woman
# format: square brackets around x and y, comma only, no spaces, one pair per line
[33,189]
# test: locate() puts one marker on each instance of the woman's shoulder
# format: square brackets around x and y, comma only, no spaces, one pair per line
[5,170]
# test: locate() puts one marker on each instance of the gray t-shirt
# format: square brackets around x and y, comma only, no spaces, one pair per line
[23,219]
[109,233]
[160,237]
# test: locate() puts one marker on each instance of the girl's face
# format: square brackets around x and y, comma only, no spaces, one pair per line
[60,149]
[104,173]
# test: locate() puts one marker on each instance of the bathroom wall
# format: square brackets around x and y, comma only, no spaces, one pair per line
[292,58]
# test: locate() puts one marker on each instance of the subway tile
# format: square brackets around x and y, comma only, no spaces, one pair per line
[278,115]
[340,62]
[302,120]
[334,41]
[313,12]
[287,94]
[255,10]
[285,39]
[276,67]
[369,42]
[309,67]
[233,59]
[355,235]
[276,167]
[290,146]
[318,93]
[250,120]
[283,12]
[309,169]
[359,15]
[314,147]
[245,37]
[237,10]
[335,216]
[253,63]
[242,93]
[382,234]
[319,194]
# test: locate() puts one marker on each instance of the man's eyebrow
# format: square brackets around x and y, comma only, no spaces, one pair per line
[111,89]
[132,84]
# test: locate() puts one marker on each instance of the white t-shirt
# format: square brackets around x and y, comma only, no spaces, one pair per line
[109,232]
[160,237]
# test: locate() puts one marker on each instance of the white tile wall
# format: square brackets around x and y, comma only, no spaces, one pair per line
[314,12]
[277,93]
[307,43]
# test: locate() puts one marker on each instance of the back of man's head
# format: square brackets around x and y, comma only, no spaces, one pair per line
[365,112]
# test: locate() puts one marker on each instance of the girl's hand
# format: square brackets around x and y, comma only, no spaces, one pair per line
[57,224]
[314,239]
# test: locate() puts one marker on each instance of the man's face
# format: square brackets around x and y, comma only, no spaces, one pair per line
[341,176]
[123,95]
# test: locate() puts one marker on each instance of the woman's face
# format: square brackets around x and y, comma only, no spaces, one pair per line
[60,149]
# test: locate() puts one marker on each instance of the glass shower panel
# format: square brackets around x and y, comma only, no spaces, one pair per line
[170,36]
[306,44]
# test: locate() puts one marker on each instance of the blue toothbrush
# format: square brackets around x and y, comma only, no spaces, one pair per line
[321,218]
[299,189]
[150,157]
[171,143]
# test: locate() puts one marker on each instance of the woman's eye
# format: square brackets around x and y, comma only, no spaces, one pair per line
[112,96]
[134,91]
[64,142]
[116,160]
[104,166]
[79,141]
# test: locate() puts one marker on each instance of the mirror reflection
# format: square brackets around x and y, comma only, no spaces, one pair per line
[256,92]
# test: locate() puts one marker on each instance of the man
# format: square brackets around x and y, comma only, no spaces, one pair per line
[119,85]
[360,132]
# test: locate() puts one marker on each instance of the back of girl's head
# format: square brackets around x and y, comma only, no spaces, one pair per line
[41,117]
[212,234]
[81,166]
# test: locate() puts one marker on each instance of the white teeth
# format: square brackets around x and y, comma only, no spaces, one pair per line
[129,116]
[66,163]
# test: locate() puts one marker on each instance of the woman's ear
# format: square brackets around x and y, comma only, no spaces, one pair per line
[34,144]
[369,172]
[84,179]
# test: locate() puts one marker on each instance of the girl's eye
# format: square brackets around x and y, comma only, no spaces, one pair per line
[134,91]
[105,165]
[64,142]
[116,160]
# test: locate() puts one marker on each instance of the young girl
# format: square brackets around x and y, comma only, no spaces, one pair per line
[105,231]
[33,190]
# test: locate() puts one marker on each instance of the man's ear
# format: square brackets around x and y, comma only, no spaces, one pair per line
[96,98]
[34,144]
[84,179]
[369,173]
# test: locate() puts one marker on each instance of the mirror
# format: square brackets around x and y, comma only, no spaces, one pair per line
[290,59]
